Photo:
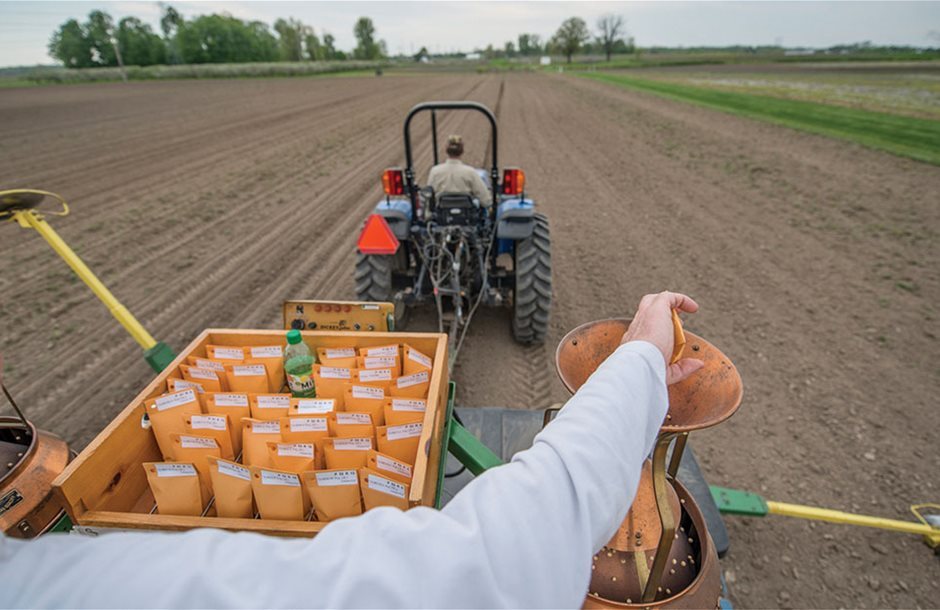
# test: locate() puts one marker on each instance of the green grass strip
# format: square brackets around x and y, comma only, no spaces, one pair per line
[906,136]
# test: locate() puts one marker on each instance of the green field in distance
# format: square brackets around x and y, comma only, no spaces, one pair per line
[917,138]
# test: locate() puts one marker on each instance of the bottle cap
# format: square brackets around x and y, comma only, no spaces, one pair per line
[293,336]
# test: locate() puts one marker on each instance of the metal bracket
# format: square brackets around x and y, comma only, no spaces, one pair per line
[738,502]
[470,451]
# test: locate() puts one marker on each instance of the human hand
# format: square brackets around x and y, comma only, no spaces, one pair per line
[653,323]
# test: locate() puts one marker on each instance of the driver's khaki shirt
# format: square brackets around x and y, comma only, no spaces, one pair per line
[453,176]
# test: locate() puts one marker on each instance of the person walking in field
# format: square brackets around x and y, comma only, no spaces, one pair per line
[454,176]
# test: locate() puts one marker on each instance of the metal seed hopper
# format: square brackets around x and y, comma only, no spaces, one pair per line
[662,554]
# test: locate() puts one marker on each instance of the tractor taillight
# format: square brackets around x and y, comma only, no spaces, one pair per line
[393,181]
[513,182]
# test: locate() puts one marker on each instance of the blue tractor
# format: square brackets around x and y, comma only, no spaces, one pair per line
[419,246]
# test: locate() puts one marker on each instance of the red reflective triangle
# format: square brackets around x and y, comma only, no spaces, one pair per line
[377,237]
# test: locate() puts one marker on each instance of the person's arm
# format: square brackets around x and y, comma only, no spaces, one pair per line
[519,535]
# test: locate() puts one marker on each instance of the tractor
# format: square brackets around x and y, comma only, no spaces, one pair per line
[420,246]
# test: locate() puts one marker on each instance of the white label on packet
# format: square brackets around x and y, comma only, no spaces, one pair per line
[379,362]
[353,418]
[364,391]
[198,442]
[249,370]
[283,479]
[416,356]
[175,400]
[352,444]
[270,351]
[340,477]
[385,486]
[304,450]
[266,427]
[175,470]
[388,350]
[307,424]
[211,365]
[231,400]
[207,422]
[390,465]
[274,402]
[409,404]
[375,375]
[229,353]
[198,373]
[404,431]
[410,380]
[316,405]
[182,384]
[340,352]
[333,372]
[234,470]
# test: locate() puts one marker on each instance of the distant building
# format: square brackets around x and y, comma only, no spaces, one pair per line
[797,52]
[473,56]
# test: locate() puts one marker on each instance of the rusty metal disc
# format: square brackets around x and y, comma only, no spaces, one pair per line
[705,399]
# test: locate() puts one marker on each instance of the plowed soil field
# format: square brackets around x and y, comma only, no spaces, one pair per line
[815,261]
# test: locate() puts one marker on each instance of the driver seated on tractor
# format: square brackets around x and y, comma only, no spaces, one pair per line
[454,176]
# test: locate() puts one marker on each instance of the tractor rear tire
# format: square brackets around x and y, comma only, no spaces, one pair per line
[373,277]
[532,300]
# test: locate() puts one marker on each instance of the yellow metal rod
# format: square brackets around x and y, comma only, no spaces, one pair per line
[32,219]
[837,516]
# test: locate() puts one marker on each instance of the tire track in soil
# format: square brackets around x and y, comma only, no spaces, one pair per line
[530,367]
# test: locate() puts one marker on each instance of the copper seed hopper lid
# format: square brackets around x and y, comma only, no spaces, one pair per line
[708,397]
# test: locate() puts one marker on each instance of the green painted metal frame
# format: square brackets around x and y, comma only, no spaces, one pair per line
[62,525]
[445,444]
[738,502]
[470,451]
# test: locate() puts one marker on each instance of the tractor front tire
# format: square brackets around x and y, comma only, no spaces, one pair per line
[532,299]
[373,277]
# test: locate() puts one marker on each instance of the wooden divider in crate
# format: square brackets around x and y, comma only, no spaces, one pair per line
[106,486]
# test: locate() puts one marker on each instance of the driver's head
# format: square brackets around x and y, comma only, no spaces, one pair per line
[454,146]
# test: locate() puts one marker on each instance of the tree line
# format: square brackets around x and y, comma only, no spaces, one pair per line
[221,38]
[573,36]
[99,42]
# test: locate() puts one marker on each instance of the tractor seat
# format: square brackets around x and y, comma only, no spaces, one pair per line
[455,200]
[456,209]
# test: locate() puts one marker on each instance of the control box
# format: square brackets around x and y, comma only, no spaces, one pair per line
[339,315]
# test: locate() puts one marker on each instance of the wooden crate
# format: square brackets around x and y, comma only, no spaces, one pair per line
[106,486]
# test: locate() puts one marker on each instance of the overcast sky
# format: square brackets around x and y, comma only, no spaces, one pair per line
[25,27]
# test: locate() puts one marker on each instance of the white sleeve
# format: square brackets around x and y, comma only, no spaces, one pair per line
[520,535]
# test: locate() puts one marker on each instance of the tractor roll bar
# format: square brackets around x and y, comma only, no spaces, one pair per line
[433,107]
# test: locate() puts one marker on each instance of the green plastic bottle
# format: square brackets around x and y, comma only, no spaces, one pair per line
[298,364]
